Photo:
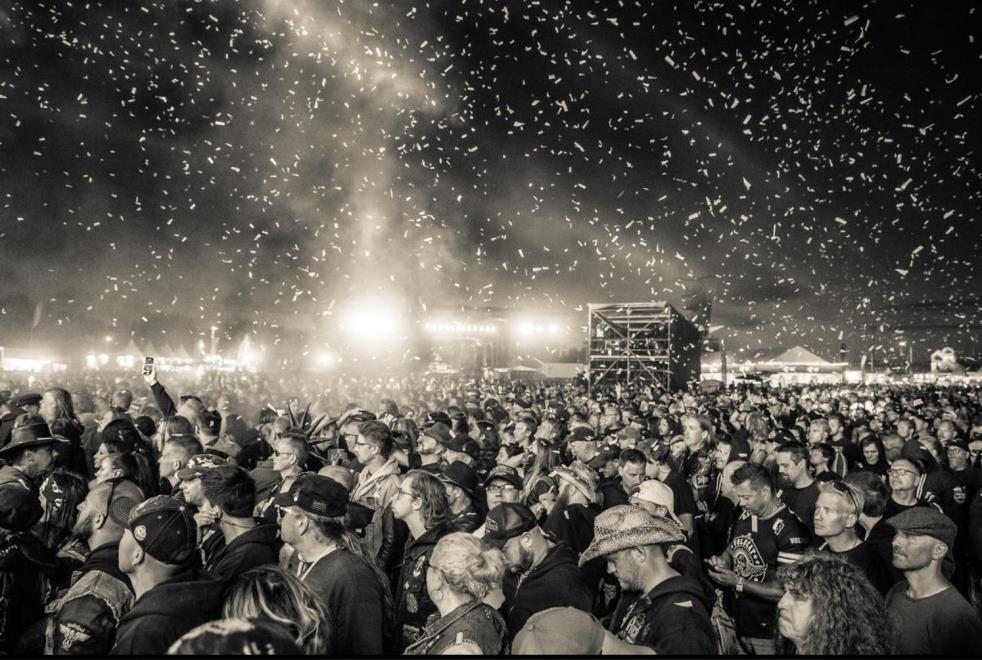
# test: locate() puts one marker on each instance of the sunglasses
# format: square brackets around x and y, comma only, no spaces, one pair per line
[842,489]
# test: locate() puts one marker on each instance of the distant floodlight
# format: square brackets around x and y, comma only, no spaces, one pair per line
[526,328]
[553,329]
[372,322]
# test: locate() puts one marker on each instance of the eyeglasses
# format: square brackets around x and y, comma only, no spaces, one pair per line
[896,472]
[400,491]
[281,512]
[112,491]
[501,490]
[843,489]
[277,452]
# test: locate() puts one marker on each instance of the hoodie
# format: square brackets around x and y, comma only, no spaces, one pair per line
[556,582]
[160,616]
[256,547]
[935,480]
[671,619]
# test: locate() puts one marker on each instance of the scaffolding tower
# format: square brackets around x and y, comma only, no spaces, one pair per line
[642,344]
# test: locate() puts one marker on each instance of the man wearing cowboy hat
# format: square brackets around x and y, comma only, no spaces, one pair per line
[29,453]
[460,480]
[25,560]
[658,501]
[667,614]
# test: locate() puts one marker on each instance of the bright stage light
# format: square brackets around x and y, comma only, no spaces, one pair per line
[372,323]
[326,359]
[553,329]
[90,361]
[526,328]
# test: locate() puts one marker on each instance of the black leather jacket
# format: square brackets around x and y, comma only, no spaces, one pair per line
[395,534]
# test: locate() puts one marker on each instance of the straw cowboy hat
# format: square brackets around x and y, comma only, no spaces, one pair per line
[627,526]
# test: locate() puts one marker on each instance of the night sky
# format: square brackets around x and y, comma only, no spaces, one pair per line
[167,165]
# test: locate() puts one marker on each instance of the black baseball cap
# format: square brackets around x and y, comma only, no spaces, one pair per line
[506,521]
[316,494]
[504,473]
[162,526]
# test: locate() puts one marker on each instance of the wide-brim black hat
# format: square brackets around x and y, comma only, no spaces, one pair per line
[30,435]
[460,474]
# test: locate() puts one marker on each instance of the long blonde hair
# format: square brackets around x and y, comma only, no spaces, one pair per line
[270,592]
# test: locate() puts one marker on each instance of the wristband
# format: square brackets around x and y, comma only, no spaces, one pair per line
[739,585]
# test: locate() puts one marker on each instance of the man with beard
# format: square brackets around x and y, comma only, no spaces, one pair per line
[930,616]
[571,517]
[84,620]
[893,446]
[157,553]
[541,572]
[667,614]
[312,521]
[430,446]
[798,490]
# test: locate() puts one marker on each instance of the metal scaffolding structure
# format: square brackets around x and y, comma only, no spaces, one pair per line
[642,343]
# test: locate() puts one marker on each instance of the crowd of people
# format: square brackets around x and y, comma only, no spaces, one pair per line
[262,515]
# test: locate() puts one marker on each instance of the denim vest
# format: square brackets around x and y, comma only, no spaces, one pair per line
[476,623]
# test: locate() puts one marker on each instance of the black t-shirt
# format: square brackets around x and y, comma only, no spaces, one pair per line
[685,501]
[880,541]
[964,485]
[758,547]
[866,558]
[893,507]
[801,501]
[614,493]
[942,624]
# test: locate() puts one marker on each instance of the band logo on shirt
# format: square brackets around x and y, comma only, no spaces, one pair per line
[747,560]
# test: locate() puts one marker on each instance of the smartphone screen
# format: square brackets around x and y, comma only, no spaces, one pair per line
[148,366]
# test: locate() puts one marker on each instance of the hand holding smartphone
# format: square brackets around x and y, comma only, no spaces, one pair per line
[149,371]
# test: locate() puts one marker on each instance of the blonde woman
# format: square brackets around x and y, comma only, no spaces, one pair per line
[460,573]
[272,593]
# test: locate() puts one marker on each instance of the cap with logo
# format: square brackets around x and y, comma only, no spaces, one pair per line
[582,434]
[199,464]
[506,521]
[505,473]
[316,494]
[161,525]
